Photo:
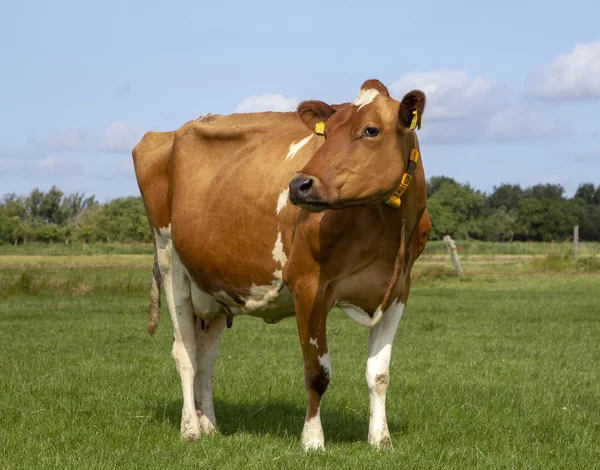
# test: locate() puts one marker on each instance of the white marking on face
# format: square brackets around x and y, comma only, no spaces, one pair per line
[312,434]
[282,200]
[365,97]
[295,147]
[325,362]
[278,253]
[313,341]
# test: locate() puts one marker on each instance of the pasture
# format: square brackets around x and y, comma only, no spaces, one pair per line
[499,369]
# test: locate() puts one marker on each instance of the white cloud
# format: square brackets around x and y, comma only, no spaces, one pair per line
[519,124]
[69,140]
[571,76]
[120,137]
[462,109]
[272,102]
[50,166]
[450,93]
[58,165]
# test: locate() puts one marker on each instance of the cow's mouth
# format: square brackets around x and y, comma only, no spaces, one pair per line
[312,206]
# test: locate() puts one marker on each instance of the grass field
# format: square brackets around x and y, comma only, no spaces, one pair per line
[488,371]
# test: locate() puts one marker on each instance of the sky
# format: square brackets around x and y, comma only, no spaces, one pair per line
[513,87]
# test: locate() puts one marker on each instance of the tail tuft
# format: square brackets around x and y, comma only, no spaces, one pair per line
[154,311]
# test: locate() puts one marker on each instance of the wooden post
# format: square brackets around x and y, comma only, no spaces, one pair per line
[575,242]
[453,254]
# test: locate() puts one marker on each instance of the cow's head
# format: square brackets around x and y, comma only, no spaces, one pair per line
[366,149]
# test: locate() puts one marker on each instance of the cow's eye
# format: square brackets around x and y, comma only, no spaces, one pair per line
[371,131]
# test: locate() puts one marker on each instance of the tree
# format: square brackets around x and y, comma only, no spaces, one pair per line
[454,210]
[586,191]
[435,183]
[547,219]
[505,195]
[499,226]
[553,192]
[590,223]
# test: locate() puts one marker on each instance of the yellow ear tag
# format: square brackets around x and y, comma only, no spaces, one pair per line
[415,118]
[320,128]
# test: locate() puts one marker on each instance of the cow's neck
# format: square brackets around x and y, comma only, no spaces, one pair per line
[403,222]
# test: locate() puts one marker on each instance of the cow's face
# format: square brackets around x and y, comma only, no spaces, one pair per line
[365,153]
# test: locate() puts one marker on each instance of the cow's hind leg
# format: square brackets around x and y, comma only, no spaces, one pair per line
[378,374]
[177,290]
[208,334]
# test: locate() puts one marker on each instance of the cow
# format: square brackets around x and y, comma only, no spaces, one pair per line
[281,214]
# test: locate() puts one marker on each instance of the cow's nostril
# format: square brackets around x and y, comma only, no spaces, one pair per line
[306,185]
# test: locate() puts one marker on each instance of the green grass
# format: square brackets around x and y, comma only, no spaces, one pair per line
[487,372]
[77,248]
[470,247]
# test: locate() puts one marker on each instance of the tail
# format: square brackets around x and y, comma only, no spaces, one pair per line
[154,311]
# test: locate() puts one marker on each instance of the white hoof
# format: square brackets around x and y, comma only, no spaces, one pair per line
[207,425]
[190,428]
[313,446]
[381,442]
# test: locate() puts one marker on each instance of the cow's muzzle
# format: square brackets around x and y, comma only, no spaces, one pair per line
[304,192]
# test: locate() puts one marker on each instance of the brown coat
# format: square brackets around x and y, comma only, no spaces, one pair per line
[216,193]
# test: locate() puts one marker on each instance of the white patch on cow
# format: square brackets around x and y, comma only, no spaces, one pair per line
[295,147]
[261,296]
[365,97]
[162,236]
[377,374]
[359,315]
[204,304]
[278,253]
[325,362]
[224,297]
[312,434]
[314,342]
[282,200]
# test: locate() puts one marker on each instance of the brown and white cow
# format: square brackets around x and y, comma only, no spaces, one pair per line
[228,241]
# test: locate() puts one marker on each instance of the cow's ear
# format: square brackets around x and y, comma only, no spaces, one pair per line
[412,101]
[314,114]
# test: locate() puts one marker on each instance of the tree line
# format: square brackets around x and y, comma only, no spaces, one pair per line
[509,212]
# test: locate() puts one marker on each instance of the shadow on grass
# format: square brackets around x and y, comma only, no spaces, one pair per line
[279,418]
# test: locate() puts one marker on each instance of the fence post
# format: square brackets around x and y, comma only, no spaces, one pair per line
[575,242]
[453,254]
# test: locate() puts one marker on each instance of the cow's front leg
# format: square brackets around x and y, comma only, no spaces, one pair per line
[381,338]
[311,315]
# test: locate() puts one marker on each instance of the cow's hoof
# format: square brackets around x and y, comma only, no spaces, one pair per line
[313,446]
[383,443]
[190,435]
[207,426]
[190,429]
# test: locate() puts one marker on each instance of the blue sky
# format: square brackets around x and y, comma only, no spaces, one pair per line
[513,87]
